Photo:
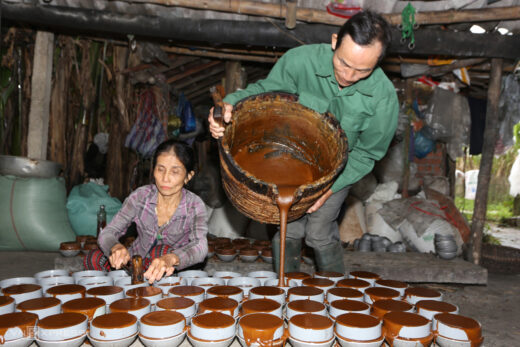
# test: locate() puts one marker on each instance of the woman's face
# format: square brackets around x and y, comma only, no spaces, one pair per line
[170,174]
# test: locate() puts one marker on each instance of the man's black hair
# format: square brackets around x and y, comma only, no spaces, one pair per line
[365,28]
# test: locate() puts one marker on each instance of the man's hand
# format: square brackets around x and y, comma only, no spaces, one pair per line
[320,202]
[162,266]
[216,129]
[119,256]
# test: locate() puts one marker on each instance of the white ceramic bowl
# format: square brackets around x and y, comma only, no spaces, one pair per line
[22,342]
[115,274]
[43,307]
[354,283]
[447,342]
[303,332]
[420,329]
[173,341]
[226,275]
[347,327]
[297,343]
[185,306]
[136,306]
[226,257]
[368,276]
[166,283]
[69,252]
[222,305]
[153,294]
[248,258]
[203,343]
[262,275]
[429,308]
[124,342]
[353,343]
[451,326]
[339,307]
[126,284]
[23,292]
[246,283]
[48,282]
[17,280]
[207,282]
[302,293]
[262,305]
[416,294]
[212,326]
[322,283]
[395,285]
[161,324]
[331,275]
[297,307]
[52,328]
[90,307]
[194,293]
[268,292]
[103,327]
[400,342]
[107,293]
[7,305]
[373,294]
[50,273]
[191,274]
[66,292]
[337,293]
[273,282]
[232,292]
[296,278]
[87,273]
[18,325]
[95,281]
[75,342]
[278,333]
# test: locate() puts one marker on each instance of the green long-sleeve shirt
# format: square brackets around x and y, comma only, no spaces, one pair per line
[366,110]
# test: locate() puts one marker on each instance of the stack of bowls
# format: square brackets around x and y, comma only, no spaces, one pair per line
[116,329]
[162,328]
[213,329]
[17,329]
[62,329]
[445,246]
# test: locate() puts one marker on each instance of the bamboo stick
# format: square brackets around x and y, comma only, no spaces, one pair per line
[204,53]
[256,8]
[192,71]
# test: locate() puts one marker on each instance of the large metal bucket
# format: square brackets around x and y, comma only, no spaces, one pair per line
[26,167]
[278,117]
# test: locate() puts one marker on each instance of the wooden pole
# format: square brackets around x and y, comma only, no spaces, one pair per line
[219,55]
[486,162]
[256,8]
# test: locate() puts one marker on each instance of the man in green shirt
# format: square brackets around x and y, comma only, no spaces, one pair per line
[344,79]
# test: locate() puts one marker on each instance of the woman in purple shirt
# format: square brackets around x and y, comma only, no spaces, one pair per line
[170,220]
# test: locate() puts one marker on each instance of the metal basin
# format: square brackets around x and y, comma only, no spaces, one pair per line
[26,167]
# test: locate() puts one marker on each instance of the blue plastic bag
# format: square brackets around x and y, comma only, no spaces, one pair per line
[185,112]
[423,143]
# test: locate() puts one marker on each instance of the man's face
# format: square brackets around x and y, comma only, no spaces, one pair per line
[353,62]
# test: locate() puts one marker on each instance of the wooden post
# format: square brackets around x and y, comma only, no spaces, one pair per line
[486,162]
[406,172]
[234,76]
[40,96]
[290,14]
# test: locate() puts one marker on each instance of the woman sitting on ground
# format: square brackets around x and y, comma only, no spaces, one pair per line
[170,220]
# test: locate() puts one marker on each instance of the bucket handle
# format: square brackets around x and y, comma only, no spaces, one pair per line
[219,105]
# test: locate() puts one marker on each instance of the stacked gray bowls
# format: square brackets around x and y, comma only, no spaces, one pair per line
[375,243]
[445,246]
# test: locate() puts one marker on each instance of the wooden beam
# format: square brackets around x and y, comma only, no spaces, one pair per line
[219,55]
[195,79]
[192,71]
[486,162]
[310,15]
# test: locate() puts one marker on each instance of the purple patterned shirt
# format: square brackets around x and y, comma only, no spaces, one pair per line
[185,232]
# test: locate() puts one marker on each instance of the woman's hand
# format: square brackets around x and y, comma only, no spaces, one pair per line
[119,256]
[162,266]
[216,129]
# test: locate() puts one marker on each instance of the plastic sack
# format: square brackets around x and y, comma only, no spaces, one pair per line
[185,112]
[471,182]
[514,176]
[34,216]
[83,205]
[509,109]
[391,168]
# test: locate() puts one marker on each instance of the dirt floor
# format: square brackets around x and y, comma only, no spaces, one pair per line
[495,305]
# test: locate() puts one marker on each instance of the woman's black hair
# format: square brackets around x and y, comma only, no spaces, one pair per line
[364,28]
[183,152]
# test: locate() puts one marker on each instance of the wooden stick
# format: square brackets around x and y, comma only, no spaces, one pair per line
[192,71]
[486,162]
[204,53]
[256,8]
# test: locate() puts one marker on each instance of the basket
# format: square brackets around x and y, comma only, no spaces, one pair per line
[278,117]
[500,259]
